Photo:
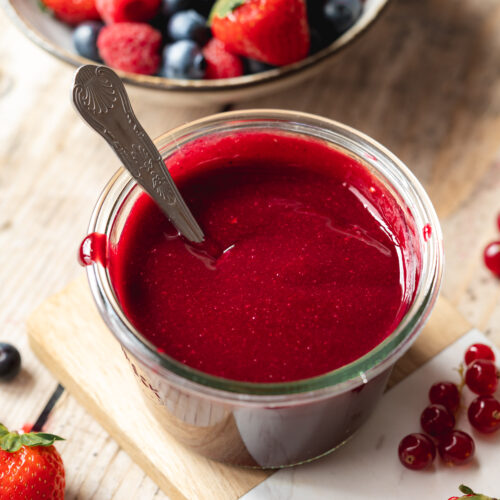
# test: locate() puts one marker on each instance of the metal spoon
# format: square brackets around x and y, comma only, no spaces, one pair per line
[102,101]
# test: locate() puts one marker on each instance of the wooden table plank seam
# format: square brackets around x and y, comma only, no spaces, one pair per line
[45,413]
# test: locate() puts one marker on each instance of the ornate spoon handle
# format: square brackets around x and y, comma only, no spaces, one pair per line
[102,101]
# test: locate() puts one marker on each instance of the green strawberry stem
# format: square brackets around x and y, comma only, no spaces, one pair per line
[44,8]
[461,373]
[471,495]
[224,7]
[13,441]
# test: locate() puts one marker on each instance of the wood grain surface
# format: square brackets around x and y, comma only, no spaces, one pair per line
[424,81]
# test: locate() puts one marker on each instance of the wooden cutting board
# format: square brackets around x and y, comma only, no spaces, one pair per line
[69,336]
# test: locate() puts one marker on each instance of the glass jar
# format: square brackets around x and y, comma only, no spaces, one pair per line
[261,424]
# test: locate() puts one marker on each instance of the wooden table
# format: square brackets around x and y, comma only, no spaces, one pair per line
[424,81]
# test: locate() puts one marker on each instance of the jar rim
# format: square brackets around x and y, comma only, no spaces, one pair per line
[344,378]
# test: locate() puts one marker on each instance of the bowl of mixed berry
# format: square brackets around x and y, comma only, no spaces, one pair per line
[223,49]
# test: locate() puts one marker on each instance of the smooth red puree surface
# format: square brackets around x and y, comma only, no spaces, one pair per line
[312,278]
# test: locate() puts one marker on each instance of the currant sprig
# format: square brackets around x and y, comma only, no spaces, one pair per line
[13,441]
[481,376]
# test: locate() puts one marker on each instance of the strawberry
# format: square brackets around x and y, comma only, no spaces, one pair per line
[132,47]
[470,494]
[27,427]
[73,11]
[220,62]
[272,31]
[30,467]
[120,11]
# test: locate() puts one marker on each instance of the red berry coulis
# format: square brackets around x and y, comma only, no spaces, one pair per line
[92,249]
[427,232]
[312,279]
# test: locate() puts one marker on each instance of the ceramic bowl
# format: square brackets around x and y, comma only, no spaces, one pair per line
[55,37]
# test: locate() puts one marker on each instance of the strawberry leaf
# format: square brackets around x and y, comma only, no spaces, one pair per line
[470,495]
[44,8]
[224,7]
[10,442]
[466,489]
[39,439]
[13,441]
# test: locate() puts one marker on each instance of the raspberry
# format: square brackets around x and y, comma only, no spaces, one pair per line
[73,11]
[132,47]
[220,62]
[120,11]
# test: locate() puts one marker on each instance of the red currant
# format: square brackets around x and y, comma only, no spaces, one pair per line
[456,448]
[478,351]
[437,420]
[484,414]
[491,257]
[446,394]
[416,451]
[481,377]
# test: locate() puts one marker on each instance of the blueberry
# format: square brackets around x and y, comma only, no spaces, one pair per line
[189,25]
[252,66]
[321,36]
[183,59]
[204,6]
[159,22]
[314,11]
[342,14]
[170,7]
[10,361]
[85,39]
